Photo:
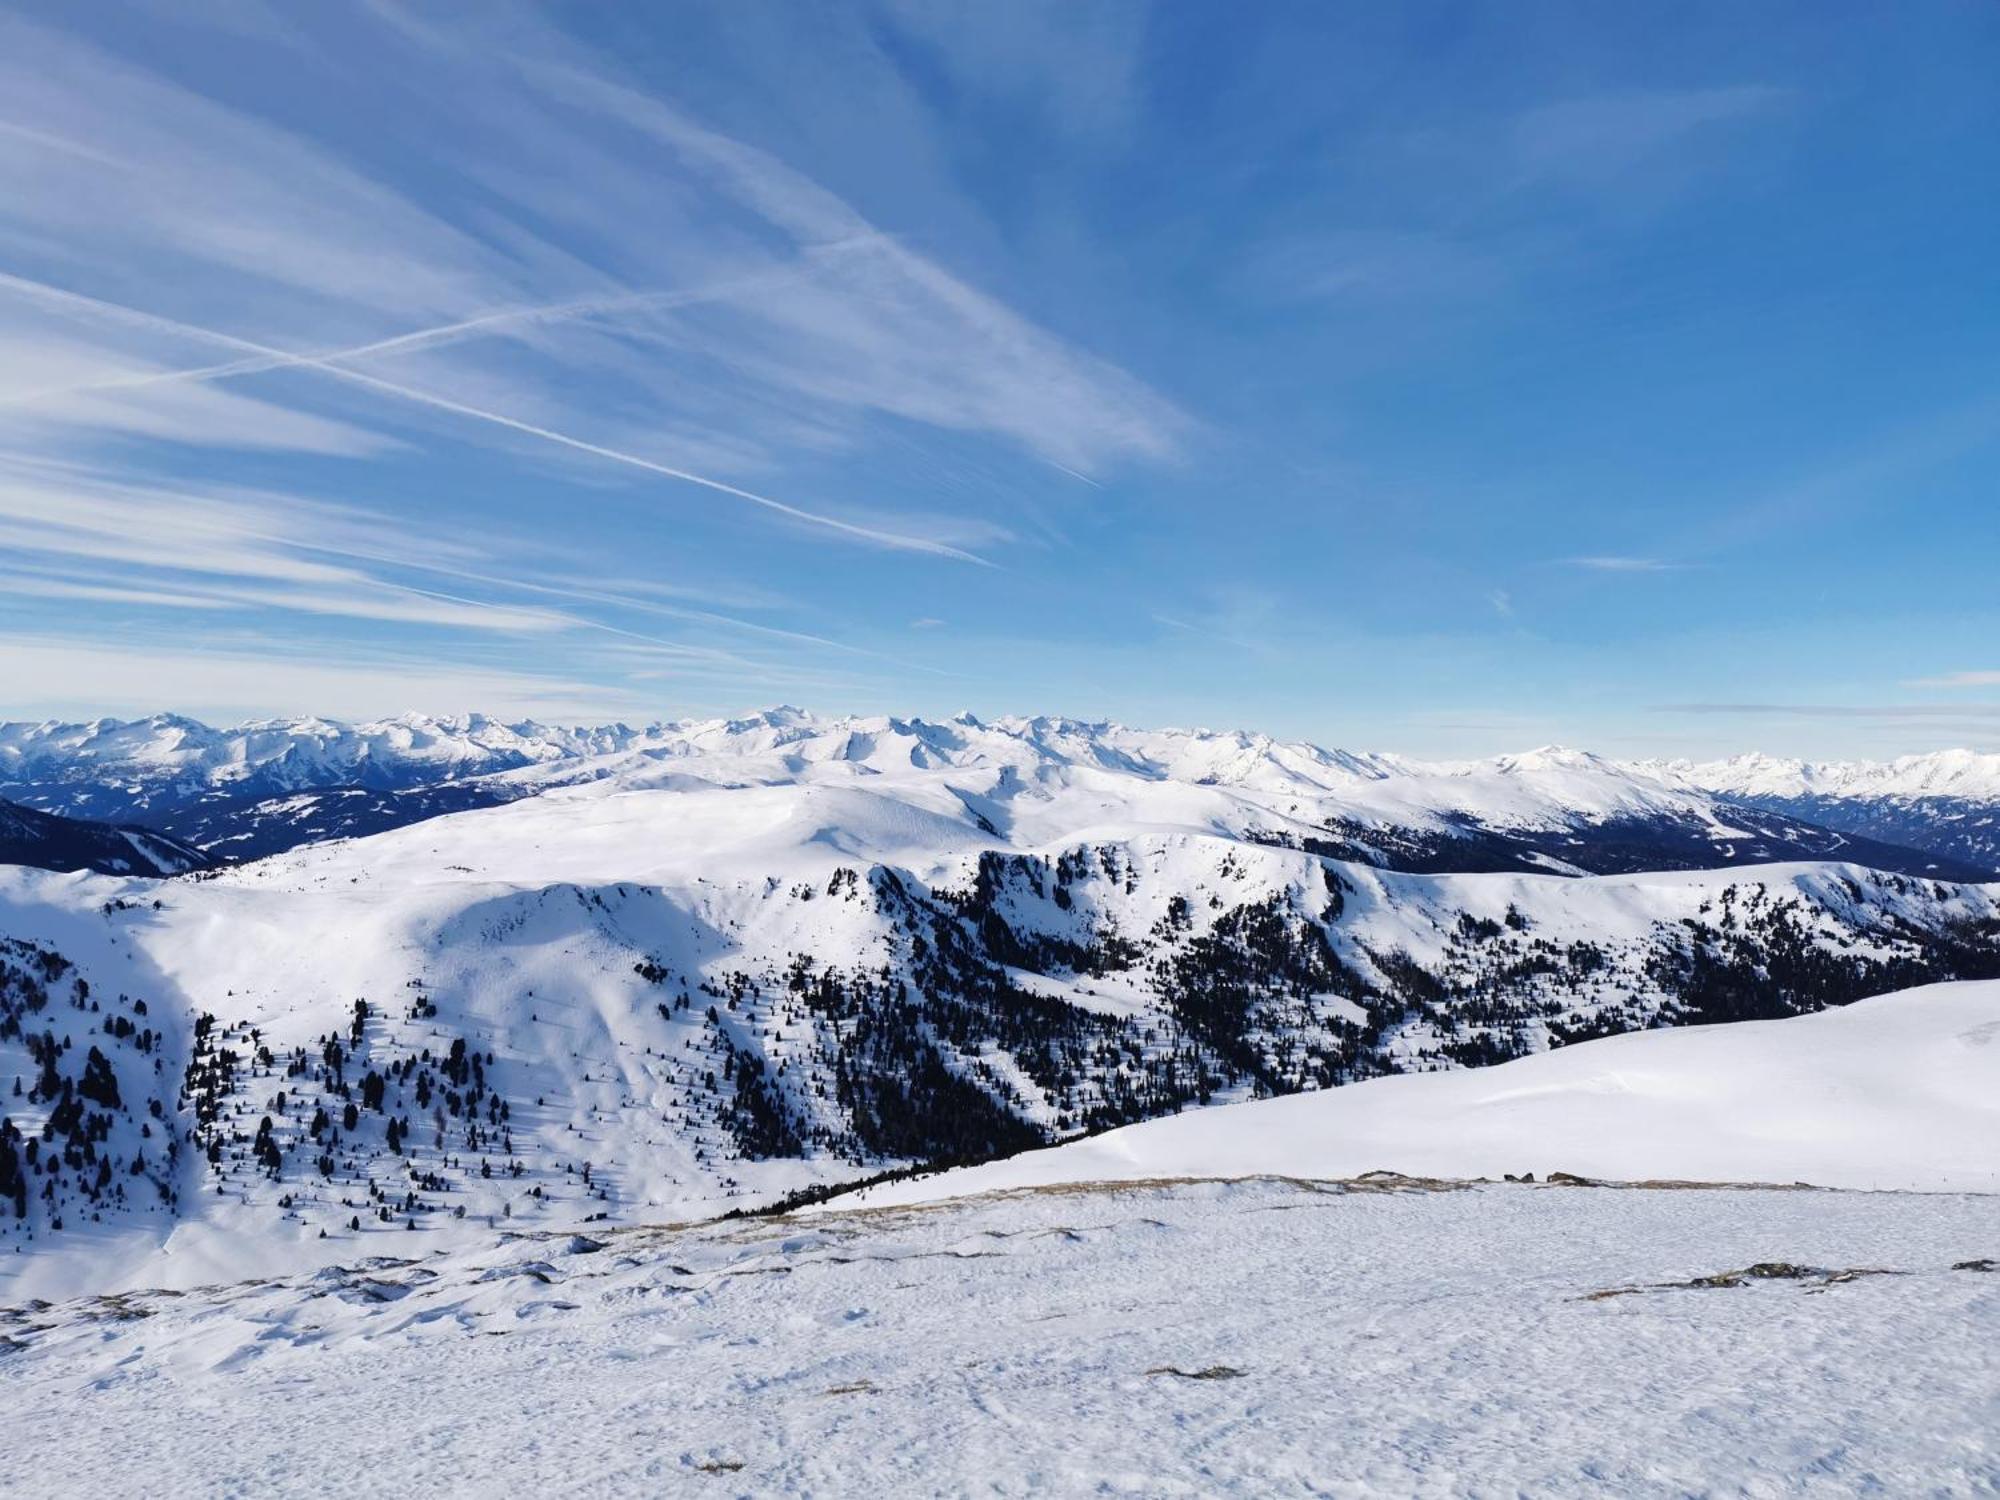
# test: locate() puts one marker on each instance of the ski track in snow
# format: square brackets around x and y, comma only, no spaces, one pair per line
[1354,1342]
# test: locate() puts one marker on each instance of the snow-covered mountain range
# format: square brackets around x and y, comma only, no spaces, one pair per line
[1965,774]
[1947,802]
[260,788]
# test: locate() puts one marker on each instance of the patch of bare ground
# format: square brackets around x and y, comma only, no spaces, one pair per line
[1814,1278]
[1206,1372]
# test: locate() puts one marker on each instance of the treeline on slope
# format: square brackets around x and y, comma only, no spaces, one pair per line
[1265,996]
[80,1135]
[1763,959]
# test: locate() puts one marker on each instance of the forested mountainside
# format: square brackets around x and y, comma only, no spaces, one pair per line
[286,1059]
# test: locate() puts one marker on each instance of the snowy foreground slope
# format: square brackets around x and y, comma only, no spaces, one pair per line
[1898,1092]
[1258,1338]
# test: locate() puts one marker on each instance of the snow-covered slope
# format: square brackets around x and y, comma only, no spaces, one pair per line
[1899,1091]
[478,1021]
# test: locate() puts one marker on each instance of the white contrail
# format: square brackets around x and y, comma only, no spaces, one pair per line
[847,528]
[57,295]
[1074,473]
[618,601]
[420,338]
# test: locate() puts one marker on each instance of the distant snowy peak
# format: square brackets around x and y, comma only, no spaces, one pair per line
[1963,774]
[412,748]
[171,744]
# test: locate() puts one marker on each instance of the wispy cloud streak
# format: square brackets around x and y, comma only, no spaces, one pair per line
[331,365]
[1957,680]
[1623,564]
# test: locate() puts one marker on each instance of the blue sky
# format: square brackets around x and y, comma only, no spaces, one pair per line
[1440,378]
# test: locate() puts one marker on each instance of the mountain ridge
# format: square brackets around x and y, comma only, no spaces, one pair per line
[1947,802]
[459,743]
[1938,773]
